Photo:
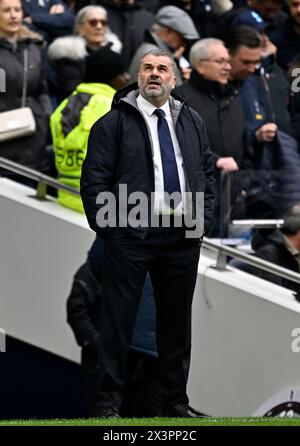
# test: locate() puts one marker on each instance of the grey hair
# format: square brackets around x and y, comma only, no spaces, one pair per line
[160,53]
[291,223]
[199,51]
[82,13]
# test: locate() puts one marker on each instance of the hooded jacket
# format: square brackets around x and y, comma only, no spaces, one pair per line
[120,152]
[28,150]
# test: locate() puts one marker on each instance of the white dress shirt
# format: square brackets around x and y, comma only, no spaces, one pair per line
[147,110]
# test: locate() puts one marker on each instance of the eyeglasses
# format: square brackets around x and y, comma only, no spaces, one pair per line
[94,22]
[222,62]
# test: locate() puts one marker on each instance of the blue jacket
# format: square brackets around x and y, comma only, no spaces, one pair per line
[257,107]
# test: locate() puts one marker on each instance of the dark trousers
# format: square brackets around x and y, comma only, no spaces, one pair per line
[172,262]
[141,396]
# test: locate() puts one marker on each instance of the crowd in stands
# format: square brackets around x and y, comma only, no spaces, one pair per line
[238,64]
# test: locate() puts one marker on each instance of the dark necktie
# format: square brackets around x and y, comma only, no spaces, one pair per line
[170,172]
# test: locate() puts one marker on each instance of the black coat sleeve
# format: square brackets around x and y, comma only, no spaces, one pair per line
[98,169]
[83,306]
[208,170]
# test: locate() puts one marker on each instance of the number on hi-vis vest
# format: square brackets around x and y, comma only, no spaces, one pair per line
[2,341]
[70,157]
[295,345]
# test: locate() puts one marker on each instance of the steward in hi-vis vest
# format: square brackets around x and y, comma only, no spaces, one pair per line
[72,120]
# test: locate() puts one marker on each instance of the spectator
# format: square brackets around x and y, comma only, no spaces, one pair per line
[268,84]
[201,12]
[244,46]
[275,151]
[281,247]
[129,20]
[172,32]
[142,394]
[51,18]
[15,41]
[254,20]
[287,37]
[216,100]
[68,53]
[72,120]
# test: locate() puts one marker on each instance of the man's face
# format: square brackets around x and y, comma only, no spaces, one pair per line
[294,6]
[156,78]
[244,62]
[217,66]
[267,8]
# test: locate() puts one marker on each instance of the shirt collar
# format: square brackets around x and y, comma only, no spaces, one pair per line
[149,108]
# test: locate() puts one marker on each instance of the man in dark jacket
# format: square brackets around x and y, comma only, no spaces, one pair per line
[216,100]
[265,101]
[135,151]
[265,92]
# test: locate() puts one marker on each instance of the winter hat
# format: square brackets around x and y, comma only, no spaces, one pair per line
[103,65]
[178,20]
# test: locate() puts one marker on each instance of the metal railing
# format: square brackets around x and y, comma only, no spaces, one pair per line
[223,251]
[42,179]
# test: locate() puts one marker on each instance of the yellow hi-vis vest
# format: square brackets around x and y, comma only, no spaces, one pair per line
[70,126]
